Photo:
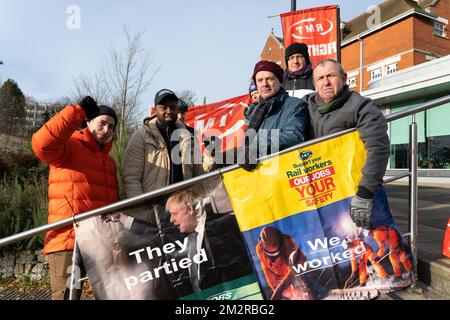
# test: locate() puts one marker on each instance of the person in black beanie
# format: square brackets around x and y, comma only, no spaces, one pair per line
[82,177]
[297,79]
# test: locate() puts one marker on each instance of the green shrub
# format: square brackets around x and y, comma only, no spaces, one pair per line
[21,166]
[23,206]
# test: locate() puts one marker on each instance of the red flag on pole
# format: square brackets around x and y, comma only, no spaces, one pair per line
[319,28]
[224,119]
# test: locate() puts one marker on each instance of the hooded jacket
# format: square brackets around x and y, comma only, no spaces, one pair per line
[82,175]
[363,114]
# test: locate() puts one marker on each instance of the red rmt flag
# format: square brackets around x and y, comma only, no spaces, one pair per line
[318,28]
[224,120]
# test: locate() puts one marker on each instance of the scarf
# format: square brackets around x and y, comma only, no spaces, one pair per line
[257,113]
[176,170]
[335,104]
[301,73]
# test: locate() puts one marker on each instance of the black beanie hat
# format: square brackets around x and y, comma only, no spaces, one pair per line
[107,111]
[297,48]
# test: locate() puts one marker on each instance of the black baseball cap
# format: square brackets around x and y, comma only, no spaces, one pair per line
[163,94]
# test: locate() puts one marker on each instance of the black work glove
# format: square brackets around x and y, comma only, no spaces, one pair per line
[90,107]
[360,211]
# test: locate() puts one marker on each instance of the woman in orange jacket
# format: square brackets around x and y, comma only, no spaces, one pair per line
[82,176]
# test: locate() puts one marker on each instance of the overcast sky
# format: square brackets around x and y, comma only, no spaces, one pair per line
[209,47]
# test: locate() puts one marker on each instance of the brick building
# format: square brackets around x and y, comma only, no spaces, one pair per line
[274,50]
[395,35]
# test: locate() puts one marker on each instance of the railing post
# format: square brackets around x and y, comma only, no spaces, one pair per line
[413,196]
[74,279]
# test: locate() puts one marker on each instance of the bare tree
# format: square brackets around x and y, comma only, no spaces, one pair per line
[127,78]
[94,85]
[187,96]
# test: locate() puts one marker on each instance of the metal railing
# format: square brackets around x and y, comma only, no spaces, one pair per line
[138,200]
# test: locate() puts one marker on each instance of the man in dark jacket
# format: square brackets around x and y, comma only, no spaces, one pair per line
[297,79]
[275,112]
[334,108]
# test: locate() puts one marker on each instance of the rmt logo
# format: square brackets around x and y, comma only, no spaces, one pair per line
[311,28]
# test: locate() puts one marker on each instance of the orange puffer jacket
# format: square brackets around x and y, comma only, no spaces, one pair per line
[82,175]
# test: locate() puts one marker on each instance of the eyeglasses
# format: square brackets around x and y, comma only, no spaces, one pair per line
[296,57]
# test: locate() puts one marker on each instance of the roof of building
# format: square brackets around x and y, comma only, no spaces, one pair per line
[389,9]
[281,40]
[426,3]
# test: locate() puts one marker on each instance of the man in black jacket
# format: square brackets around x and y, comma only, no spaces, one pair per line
[297,79]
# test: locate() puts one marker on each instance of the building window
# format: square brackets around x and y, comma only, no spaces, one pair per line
[383,71]
[439,29]
[351,82]
[376,73]
[391,68]
[434,153]
[434,142]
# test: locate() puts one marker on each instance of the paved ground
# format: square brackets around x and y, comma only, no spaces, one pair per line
[433,211]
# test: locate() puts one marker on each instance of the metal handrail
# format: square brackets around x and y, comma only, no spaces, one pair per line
[427,105]
[413,195]
[400,176]
[138,200]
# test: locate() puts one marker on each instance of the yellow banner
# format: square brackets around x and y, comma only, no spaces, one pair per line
[298,181]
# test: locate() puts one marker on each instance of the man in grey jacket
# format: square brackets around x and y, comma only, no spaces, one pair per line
[334,108]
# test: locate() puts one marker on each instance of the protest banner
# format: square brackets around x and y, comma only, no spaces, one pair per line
[318,27]
[224,120]
[189,247]
[297,227]
[293,213]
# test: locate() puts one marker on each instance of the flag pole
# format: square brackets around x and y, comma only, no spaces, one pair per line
[293,8]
